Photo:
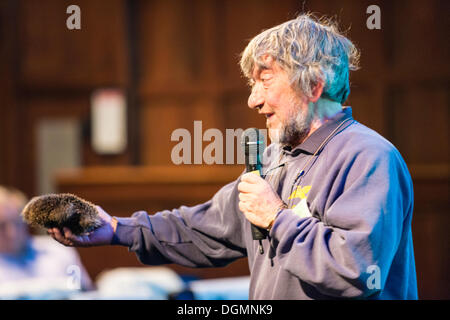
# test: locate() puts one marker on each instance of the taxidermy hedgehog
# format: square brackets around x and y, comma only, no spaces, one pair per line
[62,210]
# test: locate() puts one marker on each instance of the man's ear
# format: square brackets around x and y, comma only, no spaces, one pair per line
[316,91]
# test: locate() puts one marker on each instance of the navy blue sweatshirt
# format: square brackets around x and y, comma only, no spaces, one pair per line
[345,234]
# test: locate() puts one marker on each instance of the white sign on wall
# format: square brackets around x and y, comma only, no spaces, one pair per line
[108,121]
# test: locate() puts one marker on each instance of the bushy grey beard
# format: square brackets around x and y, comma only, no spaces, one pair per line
[294,131]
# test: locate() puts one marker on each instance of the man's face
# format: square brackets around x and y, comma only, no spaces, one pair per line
[287,115]
[13,231]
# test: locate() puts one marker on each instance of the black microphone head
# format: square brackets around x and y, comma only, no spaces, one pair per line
[252,140]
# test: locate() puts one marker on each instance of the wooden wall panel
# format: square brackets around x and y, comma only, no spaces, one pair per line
[161,117]
[367,102]
[430,234]
[419,121]
[179,55]
[33,110]
[53,56]
[418,45]
[51,71]
[8,103]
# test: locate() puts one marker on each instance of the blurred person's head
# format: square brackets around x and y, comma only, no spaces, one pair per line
[13,231]
[299,72]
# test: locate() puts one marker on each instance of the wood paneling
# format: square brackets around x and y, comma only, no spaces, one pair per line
[419,122]
[8,105]
[52,56]
[49,71]
[418,45]
[430,235]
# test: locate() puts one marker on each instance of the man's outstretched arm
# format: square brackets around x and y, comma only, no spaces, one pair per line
[206,235]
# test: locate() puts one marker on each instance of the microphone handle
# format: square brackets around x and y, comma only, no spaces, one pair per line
[257,232]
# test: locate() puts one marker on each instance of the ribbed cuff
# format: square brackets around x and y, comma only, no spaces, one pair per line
[124,234]
[279,210]
[283,221]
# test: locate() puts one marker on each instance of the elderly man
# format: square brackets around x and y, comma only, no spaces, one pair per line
[337,200]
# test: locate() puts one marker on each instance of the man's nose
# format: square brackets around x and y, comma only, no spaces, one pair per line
[256,97]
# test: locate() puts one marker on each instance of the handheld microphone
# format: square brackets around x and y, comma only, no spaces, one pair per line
[252,141]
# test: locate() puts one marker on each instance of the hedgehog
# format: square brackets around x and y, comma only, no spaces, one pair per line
[62,210]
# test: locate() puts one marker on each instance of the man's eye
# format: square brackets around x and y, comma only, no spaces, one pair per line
[265,82]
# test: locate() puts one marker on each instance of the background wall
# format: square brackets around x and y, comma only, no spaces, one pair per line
[178,62]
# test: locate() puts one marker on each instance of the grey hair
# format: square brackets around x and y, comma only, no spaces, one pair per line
[310,51]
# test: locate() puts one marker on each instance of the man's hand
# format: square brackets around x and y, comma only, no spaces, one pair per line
[100,236]
[257,200]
